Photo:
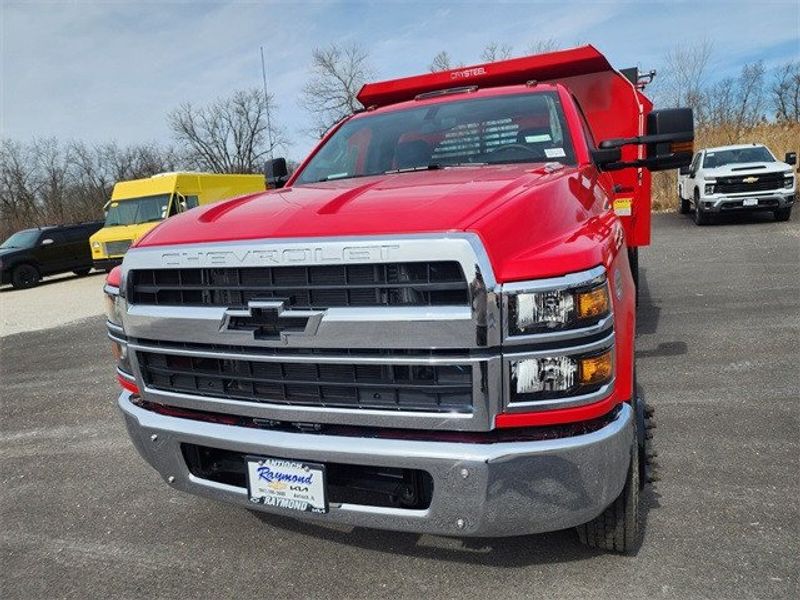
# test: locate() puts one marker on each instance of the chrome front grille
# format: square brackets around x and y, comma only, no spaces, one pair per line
[440,283]
[118,248]
[385,332]
[740,184]
[387,386]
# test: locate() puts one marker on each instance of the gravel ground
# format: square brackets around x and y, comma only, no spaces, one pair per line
[56,301]
[83,516]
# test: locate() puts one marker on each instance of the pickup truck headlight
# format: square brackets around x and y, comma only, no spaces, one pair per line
[112,306]
[709,189]
[788,182]
[561,308]
[557,376]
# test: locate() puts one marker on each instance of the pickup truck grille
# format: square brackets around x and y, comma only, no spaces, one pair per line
[394,387]
[305,287]
[737,185]
[118,248]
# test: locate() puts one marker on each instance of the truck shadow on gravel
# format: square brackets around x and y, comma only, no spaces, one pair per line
[647,319]
[509,552]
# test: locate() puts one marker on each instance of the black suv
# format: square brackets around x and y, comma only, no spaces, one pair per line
[30,254]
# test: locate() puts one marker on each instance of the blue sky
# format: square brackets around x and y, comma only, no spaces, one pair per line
[107,70]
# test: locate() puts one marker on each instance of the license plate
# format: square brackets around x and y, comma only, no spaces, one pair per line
[750,202]
[288,484]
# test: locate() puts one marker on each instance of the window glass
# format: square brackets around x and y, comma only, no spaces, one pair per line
[518,128]
[750,154]
[22,239]
[131,211]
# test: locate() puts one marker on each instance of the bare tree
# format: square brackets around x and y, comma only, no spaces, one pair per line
[683,81]
[494,52]
[543,45]
[735,105]
[231,135]
[337,74]
[18,206]
[785,93]
[441,62]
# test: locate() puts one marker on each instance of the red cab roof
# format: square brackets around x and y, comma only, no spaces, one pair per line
[541,67]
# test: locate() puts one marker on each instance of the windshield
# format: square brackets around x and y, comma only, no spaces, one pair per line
[502,129]
[21,239]
[137,210]
[741,155]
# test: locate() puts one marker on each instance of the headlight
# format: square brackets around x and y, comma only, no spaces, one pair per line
[709,189]
[788,182]
[96,245]
[112,306]
[561,308]
[557,376]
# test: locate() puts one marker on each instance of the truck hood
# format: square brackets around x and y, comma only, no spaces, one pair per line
[756,168]
[412,202]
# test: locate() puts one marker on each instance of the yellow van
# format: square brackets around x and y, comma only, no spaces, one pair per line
[139,205]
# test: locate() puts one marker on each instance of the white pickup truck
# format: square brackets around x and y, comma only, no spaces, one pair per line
[746,177]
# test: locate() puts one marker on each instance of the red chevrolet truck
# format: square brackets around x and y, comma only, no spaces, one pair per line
[429,326]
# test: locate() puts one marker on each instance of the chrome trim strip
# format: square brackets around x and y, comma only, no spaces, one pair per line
[309,358]
[114,328]
[556,403]
[565,281]
[605,342]
[126,376]
[604,324]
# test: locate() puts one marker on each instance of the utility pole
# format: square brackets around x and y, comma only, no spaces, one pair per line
[266,100]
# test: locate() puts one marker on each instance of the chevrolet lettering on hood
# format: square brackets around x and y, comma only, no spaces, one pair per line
[278,256]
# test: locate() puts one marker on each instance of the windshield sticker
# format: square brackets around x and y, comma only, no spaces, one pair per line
[554,152]
[542,137]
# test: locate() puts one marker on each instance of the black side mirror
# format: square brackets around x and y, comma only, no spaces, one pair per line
[605,158]
[685,170]
[790,158]
[277,173]
[669,141]
[671,138]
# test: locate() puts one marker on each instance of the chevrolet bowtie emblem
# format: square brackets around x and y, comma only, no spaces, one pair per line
[270,320]
[750,179]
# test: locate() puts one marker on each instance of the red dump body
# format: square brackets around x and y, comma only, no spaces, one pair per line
[613,106]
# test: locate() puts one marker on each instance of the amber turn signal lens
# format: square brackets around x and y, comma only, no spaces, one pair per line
[685,147]
[593,303]
[596,369]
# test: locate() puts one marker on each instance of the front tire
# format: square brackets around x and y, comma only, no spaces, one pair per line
[25,276]
[783,214]
[618,528]
[701,217]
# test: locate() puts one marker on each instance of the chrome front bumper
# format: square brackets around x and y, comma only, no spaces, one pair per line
[486,490]
[766,201]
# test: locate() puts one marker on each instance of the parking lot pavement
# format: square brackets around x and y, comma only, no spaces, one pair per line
[84,517]
[56,301]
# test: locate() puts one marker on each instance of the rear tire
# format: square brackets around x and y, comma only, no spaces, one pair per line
[685,205]
[783,214]
[618,529]
[25,276]
[82,272]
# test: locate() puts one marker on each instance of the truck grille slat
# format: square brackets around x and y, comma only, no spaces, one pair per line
[432,388]
[313,287]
